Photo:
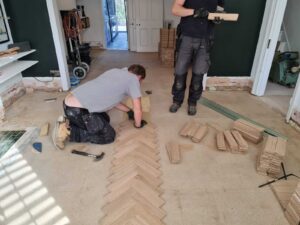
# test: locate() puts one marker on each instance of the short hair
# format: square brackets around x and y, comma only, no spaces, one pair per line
[138,70]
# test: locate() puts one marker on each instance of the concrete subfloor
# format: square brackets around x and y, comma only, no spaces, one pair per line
[207,188]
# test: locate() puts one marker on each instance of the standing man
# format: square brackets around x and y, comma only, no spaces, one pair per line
[195,42]
[86,106]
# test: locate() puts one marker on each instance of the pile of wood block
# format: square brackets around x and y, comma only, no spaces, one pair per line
[292,211]
[134,192]
[167,46]
[271,156]
[195,131]
[231,140]
[9,52]
[248,130]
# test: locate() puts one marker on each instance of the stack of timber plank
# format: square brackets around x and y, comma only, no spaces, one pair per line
[167,46]
[249,131]
[271,156]
[134,192]
[195,131]
[292,211]
[231,141]
[175,150]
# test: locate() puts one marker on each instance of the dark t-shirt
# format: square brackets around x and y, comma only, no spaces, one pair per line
[199,27]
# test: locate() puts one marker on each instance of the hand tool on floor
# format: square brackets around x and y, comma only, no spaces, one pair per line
[285,176]
[96,157]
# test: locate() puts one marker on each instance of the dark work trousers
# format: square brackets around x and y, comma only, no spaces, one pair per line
[195,51]
[89,127]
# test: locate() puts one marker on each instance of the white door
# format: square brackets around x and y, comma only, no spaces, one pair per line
[267,43]
[131,24]
[145,20]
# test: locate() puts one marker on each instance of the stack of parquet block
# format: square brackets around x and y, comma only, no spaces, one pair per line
[195,131]
[231,141]
[167,46]
[292,211]
[248,130]
[271,156]
[134,193]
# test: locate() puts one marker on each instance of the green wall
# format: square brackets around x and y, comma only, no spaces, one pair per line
[30,22]
[235,42]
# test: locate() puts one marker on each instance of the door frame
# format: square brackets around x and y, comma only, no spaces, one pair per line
[59,43]
[266,47]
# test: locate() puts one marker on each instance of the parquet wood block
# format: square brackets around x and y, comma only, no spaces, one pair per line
[145,177]
[132,211]
[150,143]
[134,165]
[193,129]
[221,144]
[44,130]
[146,104]
[248,130]
[231,141]
[137,152]
[173,150]
[134,189]
[140,187]
[137,199]
[135,156]
[138,145]
[243,145]
[271,155]
[199,134]
[284,190]
[140,171]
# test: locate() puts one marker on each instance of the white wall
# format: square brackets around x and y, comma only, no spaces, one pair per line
[291,22]
[95,34]
[168,14]
[66,4]
[4,45]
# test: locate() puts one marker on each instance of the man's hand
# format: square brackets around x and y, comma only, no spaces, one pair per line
[217,20]
[200,13]
[143,123]
[130,114]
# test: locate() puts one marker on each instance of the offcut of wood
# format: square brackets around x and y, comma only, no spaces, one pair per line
[173,151]
[44,130]
[223,16]
[221,143]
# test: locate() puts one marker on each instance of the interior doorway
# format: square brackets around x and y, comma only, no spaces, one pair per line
[274,71]
[115,24]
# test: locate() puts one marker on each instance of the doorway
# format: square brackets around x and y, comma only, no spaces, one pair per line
[115,24]
[271,71]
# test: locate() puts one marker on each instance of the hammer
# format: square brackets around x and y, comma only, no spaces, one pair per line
[96,157]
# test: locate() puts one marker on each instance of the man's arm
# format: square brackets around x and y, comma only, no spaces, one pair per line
[122,107]
[137,109]
[179,10]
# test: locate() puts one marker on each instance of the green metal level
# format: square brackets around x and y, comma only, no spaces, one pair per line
[235,116]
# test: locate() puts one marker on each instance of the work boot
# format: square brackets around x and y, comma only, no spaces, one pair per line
[192,110]
[174,107]
[61,132]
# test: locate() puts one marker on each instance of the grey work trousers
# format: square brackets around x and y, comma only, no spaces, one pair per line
[195,51]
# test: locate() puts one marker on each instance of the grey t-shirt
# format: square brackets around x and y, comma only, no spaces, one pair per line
[108,90]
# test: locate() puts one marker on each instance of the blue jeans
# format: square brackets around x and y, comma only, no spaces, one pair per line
[193,51]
